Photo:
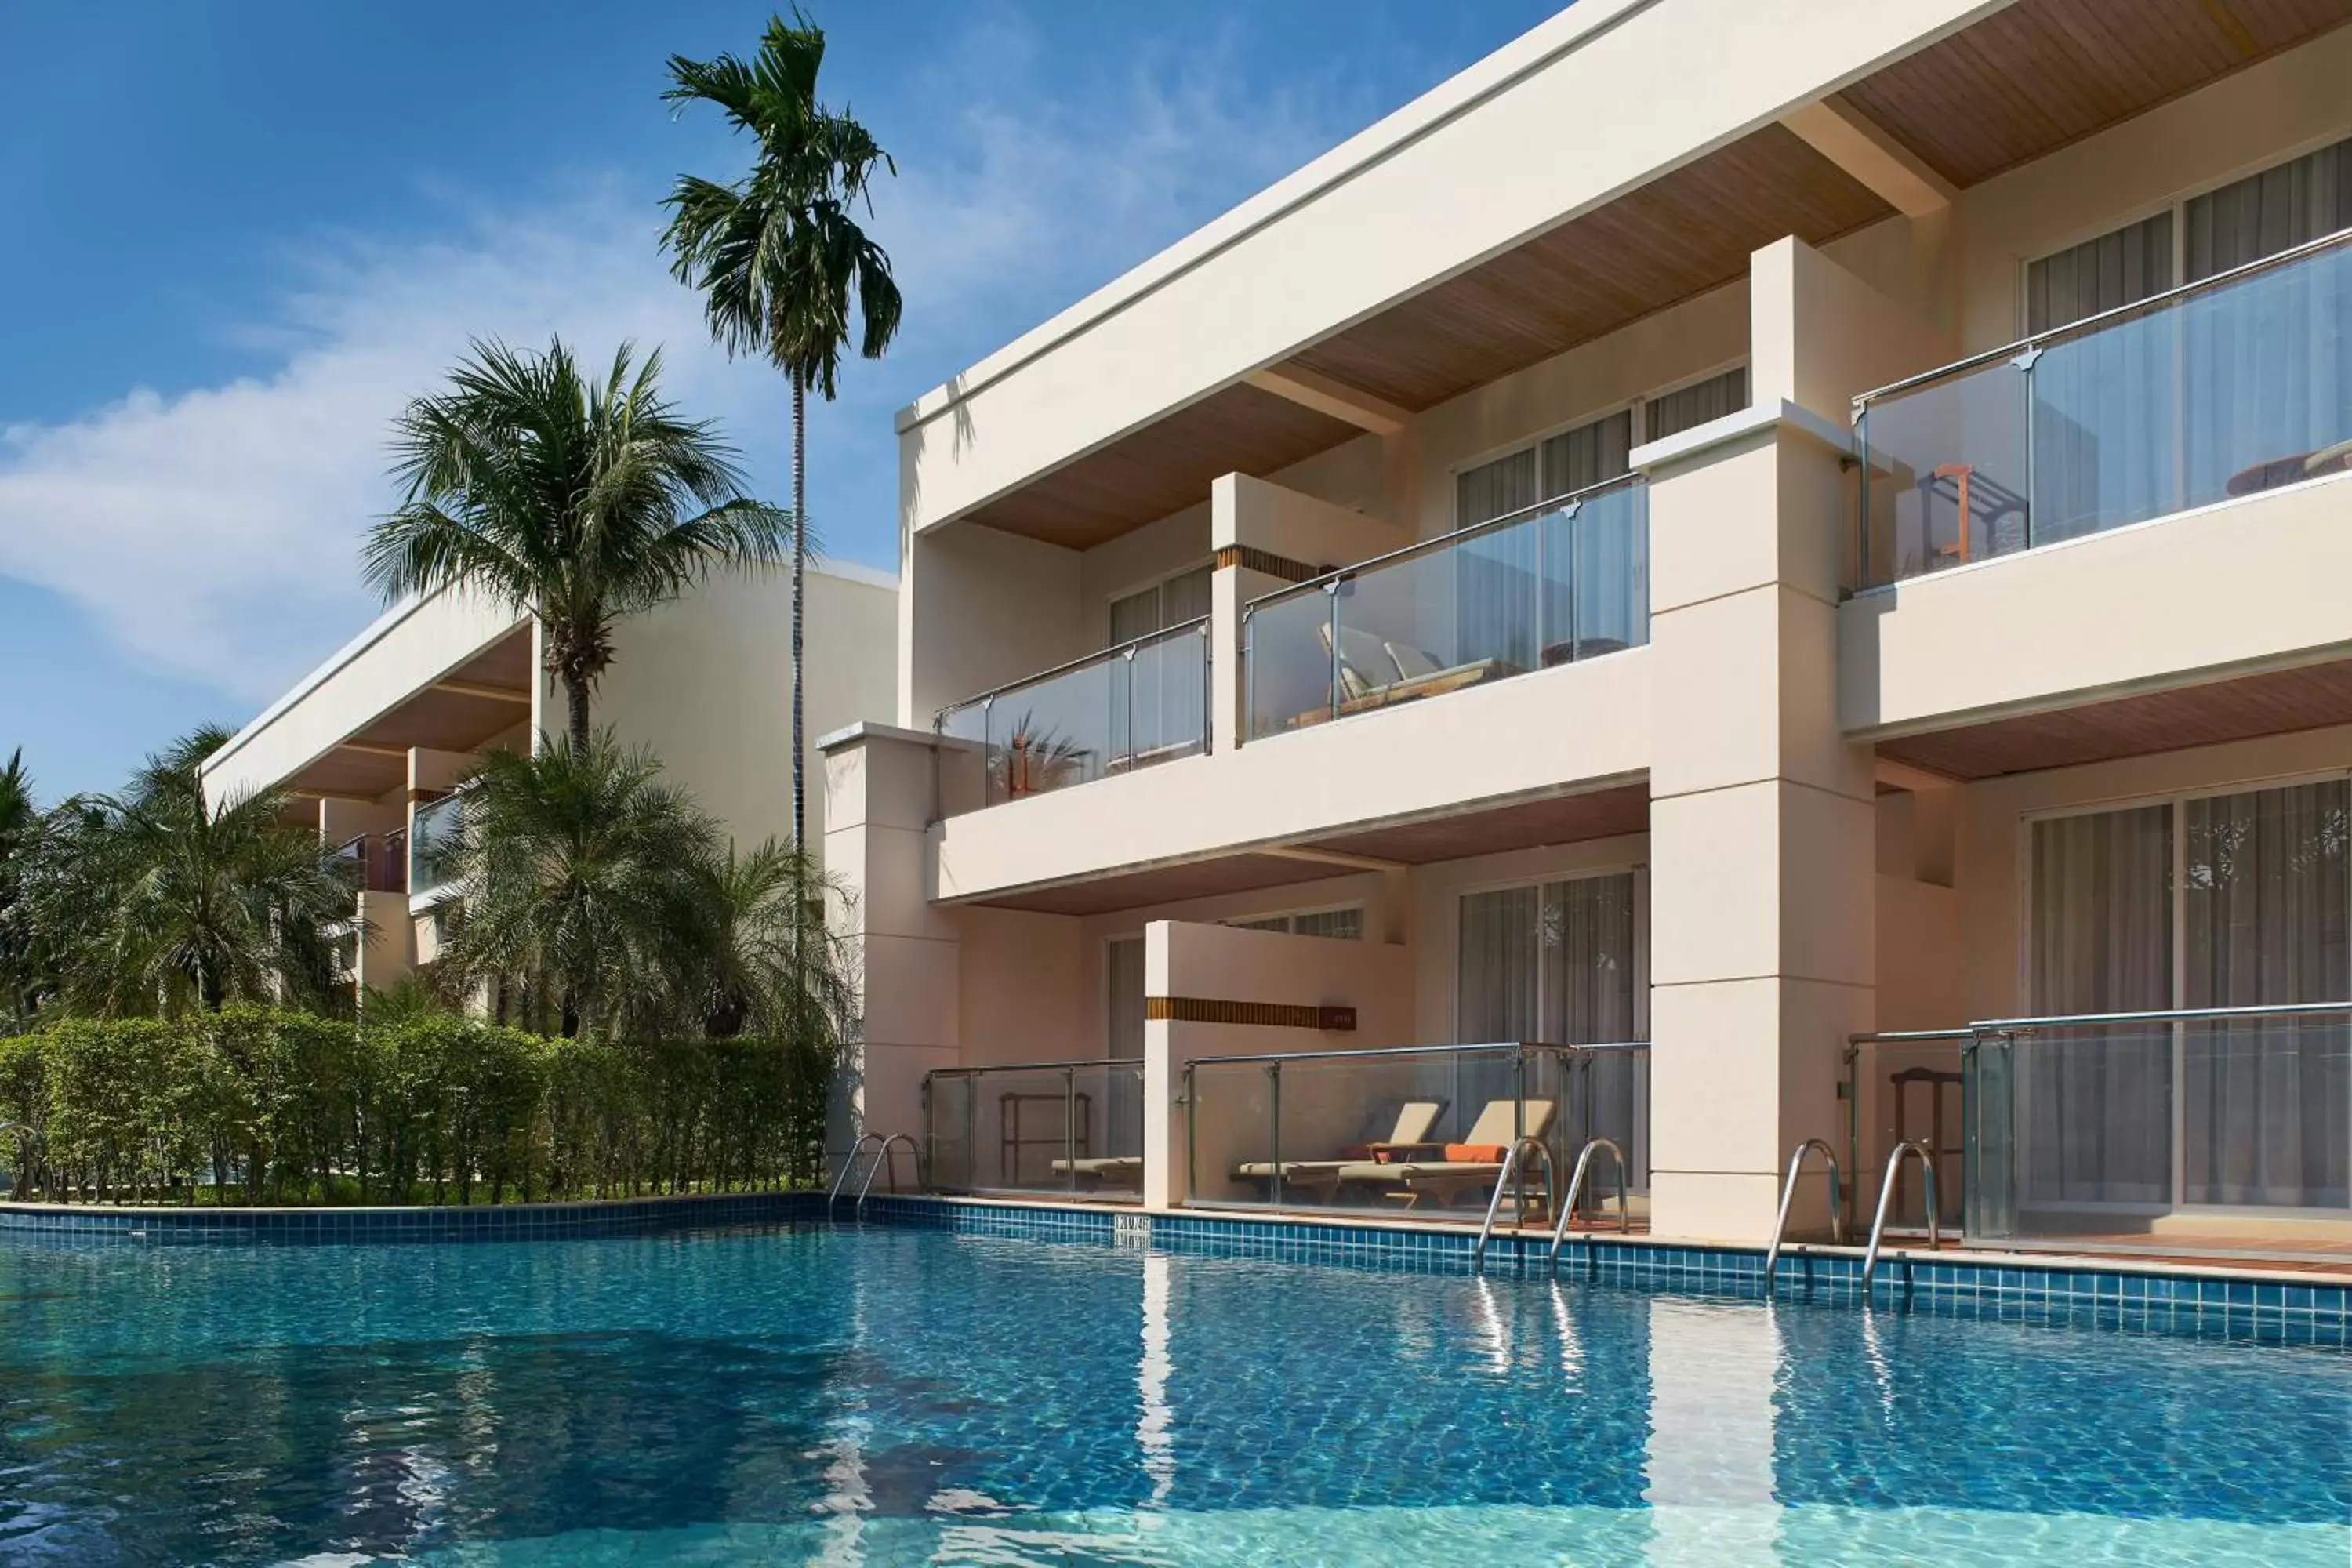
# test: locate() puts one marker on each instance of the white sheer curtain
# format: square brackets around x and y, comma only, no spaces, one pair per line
[2098,1102]
[2266,1106]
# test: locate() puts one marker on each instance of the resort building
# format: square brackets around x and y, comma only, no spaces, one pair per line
[380,739]
[1719,533]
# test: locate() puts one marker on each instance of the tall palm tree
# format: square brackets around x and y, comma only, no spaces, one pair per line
[780,256]
[159,903]
[583,501]
[22,828]
[582,886]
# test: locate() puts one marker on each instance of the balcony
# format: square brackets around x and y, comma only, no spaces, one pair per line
[1421,1127]
[1565,581]
[1126,708]
[1071,1129]
[2228,387]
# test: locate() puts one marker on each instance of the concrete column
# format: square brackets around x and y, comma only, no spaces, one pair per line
[1762,828]
[880,788]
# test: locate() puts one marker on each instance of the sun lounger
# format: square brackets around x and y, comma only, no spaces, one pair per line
[1377,674]
[1309,1178]
[1447,1180]
[1109,1170]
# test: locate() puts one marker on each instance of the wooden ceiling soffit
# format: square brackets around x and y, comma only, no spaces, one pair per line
[1165,467]
[1684,233]
[2035,75]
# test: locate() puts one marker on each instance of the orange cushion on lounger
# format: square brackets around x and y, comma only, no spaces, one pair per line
[1474,1154]
[1357,1151]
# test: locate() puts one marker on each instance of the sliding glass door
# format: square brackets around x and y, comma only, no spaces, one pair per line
[2229,900]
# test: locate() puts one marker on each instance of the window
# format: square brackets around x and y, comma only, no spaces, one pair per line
[1169,602]
[2245,220]
[2264,214]
[1123,970]
[1342,925]
[1572,460]
[2103,274]
[1679,410]
[1555,964]
[2219,901]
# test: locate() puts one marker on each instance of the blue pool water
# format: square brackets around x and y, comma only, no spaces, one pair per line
[883,1396]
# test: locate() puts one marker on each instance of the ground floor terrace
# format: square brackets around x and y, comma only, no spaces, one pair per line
[2108,999]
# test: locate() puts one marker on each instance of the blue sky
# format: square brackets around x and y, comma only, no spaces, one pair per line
[241,235]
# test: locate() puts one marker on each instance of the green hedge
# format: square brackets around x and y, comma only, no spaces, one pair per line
[254,1106]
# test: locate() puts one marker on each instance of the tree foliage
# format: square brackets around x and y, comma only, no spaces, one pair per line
[582,501]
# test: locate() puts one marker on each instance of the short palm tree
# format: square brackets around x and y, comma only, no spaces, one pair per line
[583,501]
[778,256]
[582,883]
[757,920]
[159,903]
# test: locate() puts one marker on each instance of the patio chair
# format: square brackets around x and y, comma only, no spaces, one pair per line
[1471,1165]
[1406,1132]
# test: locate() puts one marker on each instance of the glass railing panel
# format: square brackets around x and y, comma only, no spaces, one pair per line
[1128,708]
[1062,1129]
[2226,388]
[1286,650]
[433,838]
[1907,1091]
[1565,581]
[1423,1130]
[2106,1127]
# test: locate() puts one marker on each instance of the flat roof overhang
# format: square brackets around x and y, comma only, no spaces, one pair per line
[2214,713]
[1496,828]
[2010,85]
[478,701]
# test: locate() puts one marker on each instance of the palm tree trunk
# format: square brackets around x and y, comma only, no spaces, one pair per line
[799,588]
[575,698]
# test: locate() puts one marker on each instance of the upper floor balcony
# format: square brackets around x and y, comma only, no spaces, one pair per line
[2231,386]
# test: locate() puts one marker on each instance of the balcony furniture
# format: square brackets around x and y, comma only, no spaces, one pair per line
[1114,1170]
[2278,471]
[1407,1131]
[1574,649]
[1071,1135]
[1408,1181]
[1938,1081]
[1975,496]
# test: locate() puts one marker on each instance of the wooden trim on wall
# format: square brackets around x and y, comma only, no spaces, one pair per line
[1266,561]
[1256,1015]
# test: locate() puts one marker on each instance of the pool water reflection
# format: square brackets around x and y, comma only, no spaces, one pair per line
[888,1396]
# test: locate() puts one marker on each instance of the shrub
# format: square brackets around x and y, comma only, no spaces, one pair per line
[256,1105]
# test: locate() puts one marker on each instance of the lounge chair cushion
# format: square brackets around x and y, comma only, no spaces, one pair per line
[1412,663]
[1473,1153]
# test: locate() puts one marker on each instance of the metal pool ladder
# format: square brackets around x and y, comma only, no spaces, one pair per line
[1576,1185]
[1502,1181]
[1886,1194]
[1788,1196]
[882,1147]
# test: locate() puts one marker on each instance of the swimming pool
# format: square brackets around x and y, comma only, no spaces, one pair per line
[878,1395]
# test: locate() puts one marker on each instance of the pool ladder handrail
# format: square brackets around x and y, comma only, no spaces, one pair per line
[1502,1181]
[849,1163]
[1576,1185]
[882,1157]
[1787,1198]
[1886,1196]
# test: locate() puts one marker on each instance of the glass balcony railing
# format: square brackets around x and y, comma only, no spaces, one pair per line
[433,838]
[374,862]
[2238,383]
[1127,708]
[1057,1129]
[2106,1125]
[1423,1128]
[1904,1088]
[1564,581]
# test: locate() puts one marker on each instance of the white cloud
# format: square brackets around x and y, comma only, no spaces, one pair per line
[213,532]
